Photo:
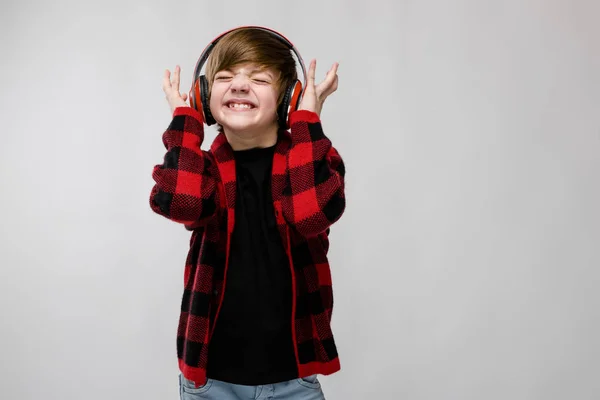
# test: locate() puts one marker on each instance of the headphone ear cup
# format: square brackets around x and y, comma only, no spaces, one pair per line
[194,96]
[205,101]
[289,103]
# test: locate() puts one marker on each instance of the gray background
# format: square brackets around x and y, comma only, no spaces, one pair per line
[466,265]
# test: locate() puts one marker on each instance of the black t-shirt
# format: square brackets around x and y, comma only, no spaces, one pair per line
[252,343]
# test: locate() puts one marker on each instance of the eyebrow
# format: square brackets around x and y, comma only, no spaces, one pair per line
[253,71]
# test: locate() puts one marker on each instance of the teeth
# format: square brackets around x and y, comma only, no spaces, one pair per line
[237,105]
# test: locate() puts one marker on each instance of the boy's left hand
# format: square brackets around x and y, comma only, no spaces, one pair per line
[314,96]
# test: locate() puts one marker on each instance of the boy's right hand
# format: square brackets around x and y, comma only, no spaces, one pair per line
[171,88]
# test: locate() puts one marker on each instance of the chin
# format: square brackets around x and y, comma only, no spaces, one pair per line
[244,124]
[239,125]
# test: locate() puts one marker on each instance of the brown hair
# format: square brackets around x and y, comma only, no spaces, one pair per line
[252,45]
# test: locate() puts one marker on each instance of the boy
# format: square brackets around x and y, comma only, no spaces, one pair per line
[256,309]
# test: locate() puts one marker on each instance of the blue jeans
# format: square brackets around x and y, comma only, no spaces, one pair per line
[307,388]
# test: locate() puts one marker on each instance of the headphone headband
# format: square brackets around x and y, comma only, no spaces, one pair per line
[207,50]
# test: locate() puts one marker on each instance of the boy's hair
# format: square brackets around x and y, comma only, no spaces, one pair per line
[252,45]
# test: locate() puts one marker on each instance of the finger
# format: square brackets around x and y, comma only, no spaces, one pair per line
[331,74]
[184,96]
[310,79]
[324,91]
[329,78]
[333,87]
[175,80]
[334,68]
[166,83]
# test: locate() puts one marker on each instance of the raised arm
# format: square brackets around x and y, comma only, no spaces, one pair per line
[315,196]
[185,189]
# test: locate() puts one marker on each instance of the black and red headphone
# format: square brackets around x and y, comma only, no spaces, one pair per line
[199,90]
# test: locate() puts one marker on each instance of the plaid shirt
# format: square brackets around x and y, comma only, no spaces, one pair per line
[198,189]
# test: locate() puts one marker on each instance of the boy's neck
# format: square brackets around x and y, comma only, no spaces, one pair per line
[250,140]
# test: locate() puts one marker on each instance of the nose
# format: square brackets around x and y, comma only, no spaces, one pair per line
[240,84]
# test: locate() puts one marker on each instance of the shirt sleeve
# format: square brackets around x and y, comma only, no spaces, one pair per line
[314,198]
[185,189]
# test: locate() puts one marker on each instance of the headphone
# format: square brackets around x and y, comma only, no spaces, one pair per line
[199,92]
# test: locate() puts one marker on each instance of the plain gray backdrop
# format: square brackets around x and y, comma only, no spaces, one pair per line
[467,264]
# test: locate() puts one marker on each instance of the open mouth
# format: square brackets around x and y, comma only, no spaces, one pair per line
[237,105]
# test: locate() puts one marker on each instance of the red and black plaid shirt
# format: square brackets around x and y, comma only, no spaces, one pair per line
[198,189]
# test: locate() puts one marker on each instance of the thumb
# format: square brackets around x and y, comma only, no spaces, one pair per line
[184,96]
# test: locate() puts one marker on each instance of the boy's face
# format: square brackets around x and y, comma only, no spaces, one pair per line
[244,99]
